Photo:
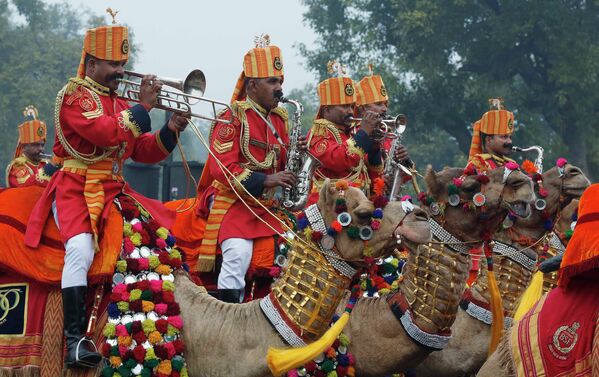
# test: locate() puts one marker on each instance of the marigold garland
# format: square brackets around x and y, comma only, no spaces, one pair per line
[143,329]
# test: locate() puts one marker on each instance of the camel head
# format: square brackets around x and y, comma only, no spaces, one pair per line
[502,193]
[561,190]
[568,215]
[361,209]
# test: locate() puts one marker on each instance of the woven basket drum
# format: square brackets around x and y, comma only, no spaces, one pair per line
[309,291]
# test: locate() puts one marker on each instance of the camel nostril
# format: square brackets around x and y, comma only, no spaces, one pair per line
[420,214]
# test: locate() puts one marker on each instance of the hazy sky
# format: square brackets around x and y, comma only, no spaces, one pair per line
[177,36]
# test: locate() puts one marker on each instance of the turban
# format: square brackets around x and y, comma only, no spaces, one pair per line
[105,42]
[371,90]
[336,90]
[260,62]
[496,121]
[582,252]
[31,131]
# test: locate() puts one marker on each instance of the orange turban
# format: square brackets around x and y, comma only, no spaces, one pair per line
[260,62]
[105,42]
[30,131]
[582,252]
[336,90]
[497,121]
[371,90]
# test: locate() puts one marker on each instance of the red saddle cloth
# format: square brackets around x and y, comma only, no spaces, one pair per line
[45,263]
[555,338]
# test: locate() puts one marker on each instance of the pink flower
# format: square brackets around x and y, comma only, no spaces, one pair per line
[561,162]
[144,264]
[128,246]
[156,285]
[274,271]
[161,308]
[119,288]
[292,373]
[160,243]
[137,227]
[457,182]
[512,165]
[406,198]
[542,192]
[170,349]
[121,330]
[176,321]
[375,224]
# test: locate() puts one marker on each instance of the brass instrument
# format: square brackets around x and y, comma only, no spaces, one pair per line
[393,168]
[302,164]
[387,127]
[540,203]
[538,160]
[189,92]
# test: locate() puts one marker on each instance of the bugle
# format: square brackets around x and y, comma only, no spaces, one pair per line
[189,91]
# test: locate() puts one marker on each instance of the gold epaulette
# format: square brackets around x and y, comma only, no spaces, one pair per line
[282,112]
[72,85]
[320,127]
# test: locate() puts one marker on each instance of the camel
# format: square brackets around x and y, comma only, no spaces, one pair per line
[434,276]
[233,339]
[467,350]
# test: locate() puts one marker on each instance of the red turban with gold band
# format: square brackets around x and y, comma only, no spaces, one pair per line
[371,90]
[105,42]
[336,90]
[260,62]
[496,121]
[32,130]
[582,253]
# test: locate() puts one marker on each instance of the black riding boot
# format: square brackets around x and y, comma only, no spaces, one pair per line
[230,295]
[80,350]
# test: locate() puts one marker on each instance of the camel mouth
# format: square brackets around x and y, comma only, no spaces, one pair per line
[573,192]
[520,208]
[416,231]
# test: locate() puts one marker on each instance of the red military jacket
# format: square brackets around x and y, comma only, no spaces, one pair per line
[343,156]
[94,122]
[485,161]
[250,150]
[22,172]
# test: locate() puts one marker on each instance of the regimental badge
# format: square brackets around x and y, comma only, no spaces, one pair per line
[86,103]
[349,89]
[125,46]
[510,124]
[383,91]
[321,147]
[564,340]
[40,131]
[277,63]
[226,133]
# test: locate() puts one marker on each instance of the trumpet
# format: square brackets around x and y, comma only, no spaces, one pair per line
[189,91]
[389,127]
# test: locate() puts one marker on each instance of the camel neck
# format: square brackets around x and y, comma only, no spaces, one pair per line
[434,280]
[306,296]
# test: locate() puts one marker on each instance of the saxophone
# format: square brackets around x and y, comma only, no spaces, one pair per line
[539,160]
[302,164]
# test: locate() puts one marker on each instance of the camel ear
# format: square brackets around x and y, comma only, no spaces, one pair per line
[327,190]
[431,179]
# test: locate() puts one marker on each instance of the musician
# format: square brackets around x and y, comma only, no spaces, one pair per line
[28,168]
[492,138]
[252,150]
[95,133]
[356,158]
[371,95]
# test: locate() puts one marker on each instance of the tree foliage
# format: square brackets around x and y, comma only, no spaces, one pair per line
[40,48]
[442,60]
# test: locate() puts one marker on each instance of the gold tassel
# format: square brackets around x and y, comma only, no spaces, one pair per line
[530,297]
[281,361]
[496,311]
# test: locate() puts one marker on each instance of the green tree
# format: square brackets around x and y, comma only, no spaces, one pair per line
[442,60]
[40,48]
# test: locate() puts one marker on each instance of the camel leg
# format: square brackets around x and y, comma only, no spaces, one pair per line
[499,364]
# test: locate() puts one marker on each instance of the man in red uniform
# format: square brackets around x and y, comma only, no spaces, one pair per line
[372,96]
[248,160]
[356,158]
[28,168]
[95,133]
[492,138]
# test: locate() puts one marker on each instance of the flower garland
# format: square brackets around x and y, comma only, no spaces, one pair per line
[143,330]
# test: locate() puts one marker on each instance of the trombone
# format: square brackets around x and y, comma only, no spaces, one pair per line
[190,91]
